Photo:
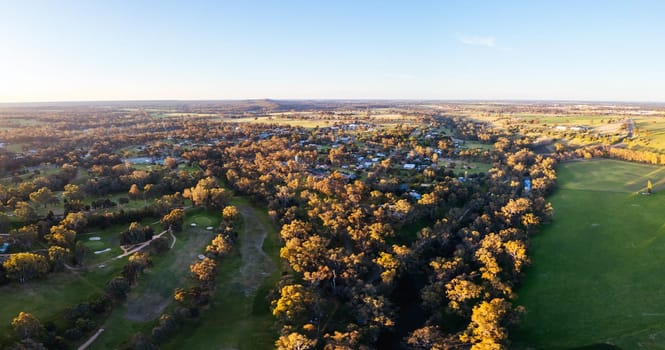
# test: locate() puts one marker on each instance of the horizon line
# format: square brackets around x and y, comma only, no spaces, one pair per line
[332,99]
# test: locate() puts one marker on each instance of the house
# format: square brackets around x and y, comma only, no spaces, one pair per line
[409,166]
[415,195]
[527,184]
[578,128]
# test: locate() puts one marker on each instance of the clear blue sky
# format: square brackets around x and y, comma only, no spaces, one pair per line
[118,50]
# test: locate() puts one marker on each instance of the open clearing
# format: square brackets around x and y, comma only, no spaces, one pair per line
[154,289]
[239,315]
[47,298]
[597,273]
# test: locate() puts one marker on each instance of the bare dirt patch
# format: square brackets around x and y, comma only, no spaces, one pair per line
[147,307]
[256,265]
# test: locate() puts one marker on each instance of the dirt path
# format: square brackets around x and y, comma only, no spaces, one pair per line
[256,265]
[174,239]
[91,340]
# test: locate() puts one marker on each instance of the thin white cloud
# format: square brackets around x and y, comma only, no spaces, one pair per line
[475,40]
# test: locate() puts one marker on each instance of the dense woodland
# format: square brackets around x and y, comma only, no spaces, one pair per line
[378,254]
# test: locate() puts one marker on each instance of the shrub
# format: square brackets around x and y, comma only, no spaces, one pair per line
[73,334]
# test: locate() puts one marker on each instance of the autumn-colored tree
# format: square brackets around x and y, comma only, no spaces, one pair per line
[307,256]
[295,341]
[25,266]
[230,213]
[58,256]
[219,197]
[337,155]
[220,246]
[25,188]
[25,236]
[530,220]
[350,340]
[27,326]
[295,229]
[61,235]
[427,338]
[73,192]
[174,219]
[460,290]
[25,212]
[147,192]
[486,331]
[139,177]
[200,194]
[74,221]
[294,302]
[134,192]
[170,162]
[42,196]
[429,202]
[180,295]
[204,270]
[517,252]
[141,260]
[389,264]
[515,208]
[168,202]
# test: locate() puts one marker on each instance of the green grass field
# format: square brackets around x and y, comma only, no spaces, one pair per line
[572,119]
[477,144]
[203,218]
[235,320]
[597,268]
[153,292]
[651,134]
[47,298]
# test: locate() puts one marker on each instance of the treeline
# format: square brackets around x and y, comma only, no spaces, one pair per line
[621,153]
[635,156]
